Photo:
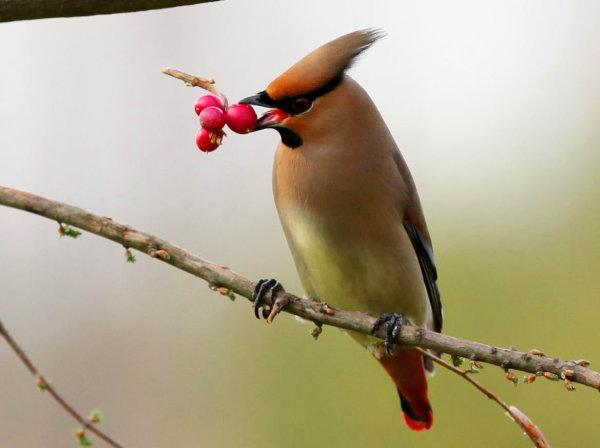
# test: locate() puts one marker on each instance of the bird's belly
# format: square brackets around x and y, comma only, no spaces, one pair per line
[357,273]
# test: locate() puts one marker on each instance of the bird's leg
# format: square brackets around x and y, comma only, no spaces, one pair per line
[392,324]
[262,288]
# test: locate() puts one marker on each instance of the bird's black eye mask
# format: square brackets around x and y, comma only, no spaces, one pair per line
[296,105]
[293,106]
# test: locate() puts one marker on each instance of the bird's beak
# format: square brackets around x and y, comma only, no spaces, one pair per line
[274,119]
[260,99]
[269,119]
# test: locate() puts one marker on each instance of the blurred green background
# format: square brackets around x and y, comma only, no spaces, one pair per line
[495,106]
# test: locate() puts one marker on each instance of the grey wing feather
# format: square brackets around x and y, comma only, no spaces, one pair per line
[424,253]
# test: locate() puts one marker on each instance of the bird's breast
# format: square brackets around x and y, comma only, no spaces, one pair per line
[347,239]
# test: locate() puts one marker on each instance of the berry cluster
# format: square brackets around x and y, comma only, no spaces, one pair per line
[213,114]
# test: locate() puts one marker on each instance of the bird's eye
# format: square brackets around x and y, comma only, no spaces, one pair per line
[300,105]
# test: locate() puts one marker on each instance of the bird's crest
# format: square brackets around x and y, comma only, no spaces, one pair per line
[322,69]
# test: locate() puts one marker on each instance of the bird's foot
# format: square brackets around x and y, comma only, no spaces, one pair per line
[392,324]
[264,287]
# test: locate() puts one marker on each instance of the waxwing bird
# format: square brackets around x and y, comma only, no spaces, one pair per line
[350,210]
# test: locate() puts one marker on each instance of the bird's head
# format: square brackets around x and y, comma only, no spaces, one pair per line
[297,97]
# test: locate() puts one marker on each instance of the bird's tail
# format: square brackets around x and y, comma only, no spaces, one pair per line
[406,368]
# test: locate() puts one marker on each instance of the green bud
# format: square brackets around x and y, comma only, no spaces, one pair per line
[457,361]
[96,416]
[85,441]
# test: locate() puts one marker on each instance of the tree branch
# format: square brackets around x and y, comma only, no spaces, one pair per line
[220,276]
[43,385]
[11,10]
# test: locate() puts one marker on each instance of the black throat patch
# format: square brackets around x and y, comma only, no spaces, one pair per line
[289,138]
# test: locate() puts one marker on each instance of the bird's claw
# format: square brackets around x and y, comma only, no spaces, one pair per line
[392,324]
[262,288]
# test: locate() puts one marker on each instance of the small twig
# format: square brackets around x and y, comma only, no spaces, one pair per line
[532,431]
[197,81]
[45,386]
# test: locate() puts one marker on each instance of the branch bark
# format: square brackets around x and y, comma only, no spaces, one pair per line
[11,10]
[221,276]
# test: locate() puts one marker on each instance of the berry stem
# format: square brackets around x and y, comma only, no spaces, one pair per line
[197,81]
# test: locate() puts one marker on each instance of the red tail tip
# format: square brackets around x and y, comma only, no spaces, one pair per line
[418,425]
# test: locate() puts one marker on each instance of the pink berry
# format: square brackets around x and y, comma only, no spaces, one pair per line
[208,141]
[207,101]
[212,118]
[241,118]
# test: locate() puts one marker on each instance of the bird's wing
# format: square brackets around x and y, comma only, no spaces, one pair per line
[414,224]
[424,253]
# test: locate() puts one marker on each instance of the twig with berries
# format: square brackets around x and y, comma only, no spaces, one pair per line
[215,112]
[44,386]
